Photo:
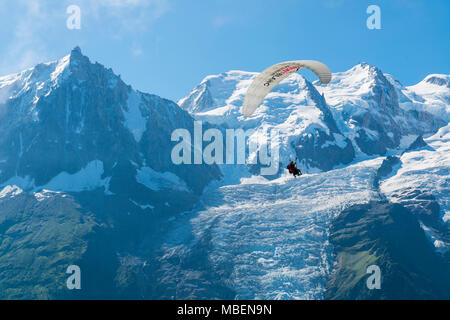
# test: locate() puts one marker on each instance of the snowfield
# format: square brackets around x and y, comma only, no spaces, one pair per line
[431,94]
[427,169]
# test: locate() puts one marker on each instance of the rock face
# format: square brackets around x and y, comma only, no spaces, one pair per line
[40,237]
[410,268]
[324,149]
[92,158]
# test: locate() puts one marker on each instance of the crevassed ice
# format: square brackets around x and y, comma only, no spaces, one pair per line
[265,239]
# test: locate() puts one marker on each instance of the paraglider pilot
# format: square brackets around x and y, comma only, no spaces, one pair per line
[292,167]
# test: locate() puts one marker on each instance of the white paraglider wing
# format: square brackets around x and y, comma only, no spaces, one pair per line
[271,77]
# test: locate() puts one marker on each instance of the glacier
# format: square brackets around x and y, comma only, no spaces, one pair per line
[262,239]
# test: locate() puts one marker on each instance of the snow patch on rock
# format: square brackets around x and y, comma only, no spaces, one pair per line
[134,120]
[88,178]
[158,181]
[10,191]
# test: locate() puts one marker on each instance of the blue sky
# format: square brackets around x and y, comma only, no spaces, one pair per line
[167,47]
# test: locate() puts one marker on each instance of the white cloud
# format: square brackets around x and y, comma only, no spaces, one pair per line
[130,14]
[124,3]
[136,50]
[26,48]
[333,3]
[220,21]
[38,23]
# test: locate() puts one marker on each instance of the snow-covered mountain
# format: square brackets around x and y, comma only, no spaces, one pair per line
[72,129]
[371,109]
[314,237]
[429,95]
[86,178]
[361,113]
[73,125]
[295,109]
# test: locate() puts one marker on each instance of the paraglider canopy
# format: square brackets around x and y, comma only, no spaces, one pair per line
[271,77]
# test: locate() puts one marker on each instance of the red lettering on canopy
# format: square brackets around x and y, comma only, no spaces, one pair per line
[288,69]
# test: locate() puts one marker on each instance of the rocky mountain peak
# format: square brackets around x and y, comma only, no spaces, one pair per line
[71,116]
[441,80]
